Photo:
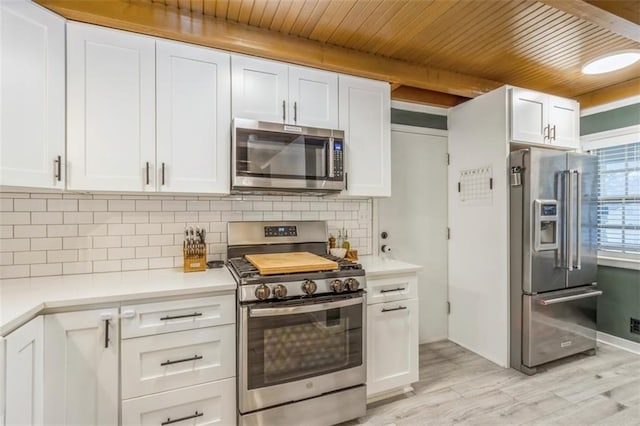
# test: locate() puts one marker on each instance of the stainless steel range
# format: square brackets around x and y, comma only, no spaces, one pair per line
[301,335]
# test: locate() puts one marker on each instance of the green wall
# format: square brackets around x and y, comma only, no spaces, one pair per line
[418,119]
[619,302]
[617,118]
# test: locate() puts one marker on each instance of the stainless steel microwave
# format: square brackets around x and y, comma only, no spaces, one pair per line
[278,157]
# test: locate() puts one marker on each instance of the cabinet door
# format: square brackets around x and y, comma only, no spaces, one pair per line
[193,124]
[313,97]
[564,119]
[32,107]
[259,89]
[365,116]
[81,368]
[392,345]
[111,109]
[529,116]
[24,374]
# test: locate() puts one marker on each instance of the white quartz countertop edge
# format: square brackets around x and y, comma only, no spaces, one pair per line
[24,298]
[377,266]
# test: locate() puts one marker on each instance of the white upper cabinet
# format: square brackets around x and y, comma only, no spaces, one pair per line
[32,107]
[365,117]
[273,91]
[193,118]
[537,118]
[111,109]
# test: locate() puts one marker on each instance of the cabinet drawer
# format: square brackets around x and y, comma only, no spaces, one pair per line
[169,361]
[177,315]
[211,403]
[388,289]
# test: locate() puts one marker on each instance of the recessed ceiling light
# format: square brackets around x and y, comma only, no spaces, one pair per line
[611,62]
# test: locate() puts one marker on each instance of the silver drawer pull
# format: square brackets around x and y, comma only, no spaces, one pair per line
[169,317]
[393,289]
[193,358]
[546,302]
[399,308]
[181,419]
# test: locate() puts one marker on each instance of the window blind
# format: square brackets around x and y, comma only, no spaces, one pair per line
[619,198]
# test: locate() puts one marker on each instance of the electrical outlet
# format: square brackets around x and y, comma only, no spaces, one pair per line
[634,326]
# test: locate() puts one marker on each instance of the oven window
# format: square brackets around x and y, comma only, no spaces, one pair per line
[280,155]
[287,348]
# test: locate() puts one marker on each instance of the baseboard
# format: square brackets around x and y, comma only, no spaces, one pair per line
[389,394]
[619,342]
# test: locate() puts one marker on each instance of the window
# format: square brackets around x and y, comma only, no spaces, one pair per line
[619,199]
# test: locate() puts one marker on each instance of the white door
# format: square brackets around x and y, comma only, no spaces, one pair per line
[529,121]
[415,219]
[313,97]
[564,119]
[111,109]
[24,374]
[392,325]
[365,116]
[193,118]
[81,368]
[32,107]
[259,89]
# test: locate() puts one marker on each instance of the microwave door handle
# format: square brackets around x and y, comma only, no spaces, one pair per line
[292,310]
[331,155]
[578,264]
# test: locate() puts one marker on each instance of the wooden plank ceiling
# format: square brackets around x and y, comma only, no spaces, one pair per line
[434,51]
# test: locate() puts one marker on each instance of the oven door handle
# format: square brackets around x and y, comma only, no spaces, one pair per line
[292,310]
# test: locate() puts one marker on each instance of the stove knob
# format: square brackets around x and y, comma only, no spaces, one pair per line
[352,284]
[309,287]
[280,291]
[262,292]
[337,286]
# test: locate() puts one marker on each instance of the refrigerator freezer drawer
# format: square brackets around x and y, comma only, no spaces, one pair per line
[558,324]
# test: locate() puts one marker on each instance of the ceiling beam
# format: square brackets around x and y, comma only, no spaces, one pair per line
[172,23]
[426,97]
[597,16]
[609,94]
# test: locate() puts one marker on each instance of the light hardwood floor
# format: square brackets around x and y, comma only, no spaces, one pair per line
[459,387]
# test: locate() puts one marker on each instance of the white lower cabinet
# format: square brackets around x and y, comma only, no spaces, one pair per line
[392,335]
[24,374]
[81,367]
[211,403]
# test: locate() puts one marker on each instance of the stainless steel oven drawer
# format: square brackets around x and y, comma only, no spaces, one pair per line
[558,324]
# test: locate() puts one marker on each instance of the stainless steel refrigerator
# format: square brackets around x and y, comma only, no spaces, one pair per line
[553,261]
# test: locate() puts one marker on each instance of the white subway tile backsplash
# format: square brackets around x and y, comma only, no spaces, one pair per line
[29,231]
[18,218]
[45,269]
[29,205]
[62,205]
[46,243]
[52,234]
[46,218]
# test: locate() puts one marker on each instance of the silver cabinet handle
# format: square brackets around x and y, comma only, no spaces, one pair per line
[284,111]
[181,419]
[552,131]
[269,312]
[177,361]
[147,173]
[392,289]
[545,133]
[592,293]
[399,308]
[162,176]
[57,168]
[295,112]
[171,317]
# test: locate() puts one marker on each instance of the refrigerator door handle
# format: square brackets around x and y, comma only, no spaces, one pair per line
[568,208]
[553,301]
[578,264]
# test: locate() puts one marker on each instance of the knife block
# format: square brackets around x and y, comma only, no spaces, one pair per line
[195,262]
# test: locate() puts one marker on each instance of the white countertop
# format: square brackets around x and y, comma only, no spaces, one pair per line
[376,266]
[23,298]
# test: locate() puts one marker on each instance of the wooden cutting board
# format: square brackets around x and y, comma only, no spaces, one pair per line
[287,263]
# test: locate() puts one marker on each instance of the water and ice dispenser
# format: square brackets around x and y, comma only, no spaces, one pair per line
[545,225]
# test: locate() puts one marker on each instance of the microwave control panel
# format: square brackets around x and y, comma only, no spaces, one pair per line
[338,159]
